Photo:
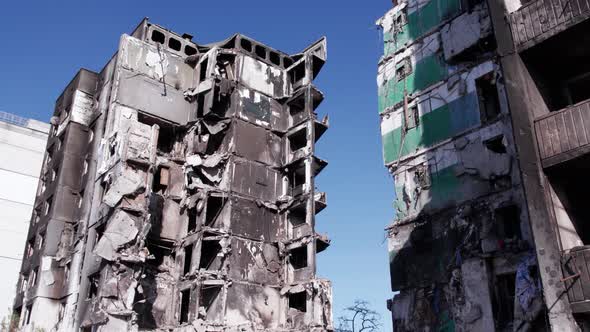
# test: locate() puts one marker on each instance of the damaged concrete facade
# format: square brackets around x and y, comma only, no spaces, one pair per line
[476,132]
[178,193]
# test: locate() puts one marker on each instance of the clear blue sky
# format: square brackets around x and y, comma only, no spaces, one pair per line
[45,42]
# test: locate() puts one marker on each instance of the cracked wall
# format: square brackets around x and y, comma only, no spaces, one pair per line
[185,199]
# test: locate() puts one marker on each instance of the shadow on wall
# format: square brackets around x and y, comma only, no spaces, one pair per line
[457,205]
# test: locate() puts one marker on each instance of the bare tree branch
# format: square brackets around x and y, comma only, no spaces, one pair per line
[359,318]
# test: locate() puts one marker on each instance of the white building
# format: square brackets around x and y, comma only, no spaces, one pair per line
[22,147]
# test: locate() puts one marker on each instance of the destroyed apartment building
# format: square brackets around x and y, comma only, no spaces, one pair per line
[485,123]
[177,193]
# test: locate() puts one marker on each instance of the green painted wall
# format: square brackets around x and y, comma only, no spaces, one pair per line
[427,71]
[420,22]
[439,124]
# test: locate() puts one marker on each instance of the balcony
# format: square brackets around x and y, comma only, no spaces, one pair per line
[541,19]
[576,277]
[564,135]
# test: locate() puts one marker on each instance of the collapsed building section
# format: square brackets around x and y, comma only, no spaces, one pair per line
[179,193]
[486,138]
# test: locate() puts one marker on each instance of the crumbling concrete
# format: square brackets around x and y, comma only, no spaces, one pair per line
[188,201]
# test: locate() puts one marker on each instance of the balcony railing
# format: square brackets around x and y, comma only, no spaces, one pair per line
[576,276]
[564,135]
[541,19]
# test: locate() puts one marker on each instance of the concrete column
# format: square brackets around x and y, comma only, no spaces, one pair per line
[524,101]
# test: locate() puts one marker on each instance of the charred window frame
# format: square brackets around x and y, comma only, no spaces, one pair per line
[210,247]
[298,258]
[174,44]
[192,221]
[48,205]
[85,167]
[274,58]
[287,62]
[60,140]
[33,277]
[161,250]
[422,177]
[166,139]
[41,240]
[400,20]
[30,247]
[75,228]
[112,146]
[496,144]
[411,117]
[161,180]
[167,134]
[43,186]
[189,50]
[93,286]
[91,133]
[214,206]
[36,217]
[158,37]
[99,232]
[67,268]
[224,65]
[298,301]
[27,315]
[469,5]
[403,69]
[246,45]
[203,69]
[24,280]
[54,172]
[488,98]
[298,139]
[49,157]
[503,300]
[185,301]
[80,198]
[508,222]
[297,73]
[188,259]
[297,108]
[208,295]
[297,180]
[260,51]
[105,185]
[297,215]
